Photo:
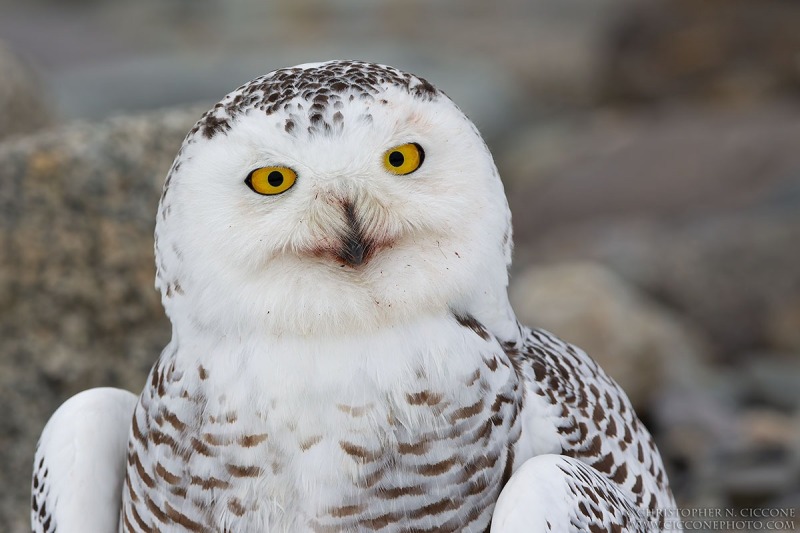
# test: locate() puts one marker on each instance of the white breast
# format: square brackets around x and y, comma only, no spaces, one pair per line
[287,433]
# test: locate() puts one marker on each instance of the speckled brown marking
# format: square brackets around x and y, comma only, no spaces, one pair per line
[160,515]
[499,400]
[243,471]
[166,475]
[209,483]
[133,460]
[399,492]
[380,522]
[611,428]
[470,322]
[182,520]
[139,520]
[605,463]
[476,465]
[158,438]
[235,506]
[174,421]
[466,412]
[359,453]
[627,439]
[475,376]
[638,485]
[310,442]
[593,449]
[355,411]
[134,496]
[215,440]
[423,398]
[621,474]
[127,522]
[346,510]
[437,469]
[202,448]
[248,441]
[416,448]
[598,414]
[435,508]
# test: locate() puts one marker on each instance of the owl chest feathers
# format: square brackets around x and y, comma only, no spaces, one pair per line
[409,428]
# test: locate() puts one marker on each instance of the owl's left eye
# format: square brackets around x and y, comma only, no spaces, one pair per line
[271,180]
[403,159]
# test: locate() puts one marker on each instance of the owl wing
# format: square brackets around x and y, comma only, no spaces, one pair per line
[551,493]
[79,466]
[574,410]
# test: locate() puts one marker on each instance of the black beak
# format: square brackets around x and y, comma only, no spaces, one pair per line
[355,248]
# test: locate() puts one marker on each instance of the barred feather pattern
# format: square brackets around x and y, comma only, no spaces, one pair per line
[41,517]
[573,408]
[420,458]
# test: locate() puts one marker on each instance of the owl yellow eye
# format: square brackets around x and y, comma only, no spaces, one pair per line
[271,180]
[404,159]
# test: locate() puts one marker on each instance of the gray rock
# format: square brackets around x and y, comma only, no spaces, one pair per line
[726,274]
[783,325]
[642,346]
[724,445]
[772,380]
[23,104]
[77,304]
[699,208]
[723,52]
[766,465]
[684,162]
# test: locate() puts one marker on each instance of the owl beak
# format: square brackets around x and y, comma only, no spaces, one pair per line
[354,249]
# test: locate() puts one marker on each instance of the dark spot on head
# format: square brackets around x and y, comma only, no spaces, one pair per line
[319,86]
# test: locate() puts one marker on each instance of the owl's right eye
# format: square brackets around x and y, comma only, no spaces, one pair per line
[271,180]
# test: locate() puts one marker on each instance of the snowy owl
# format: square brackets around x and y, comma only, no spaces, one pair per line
[332,248]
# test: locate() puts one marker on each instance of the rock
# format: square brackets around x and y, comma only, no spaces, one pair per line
[643,347]
[767,464]
[717,51]
[732,437]
[772,381]
[783,325]
[687,162]
[726,274]
[77,303]
[700,209]
[693,425]
[24,106]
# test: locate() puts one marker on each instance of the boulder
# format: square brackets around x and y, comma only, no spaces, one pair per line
[729,52]
[734,276]
[642,346]
[77,303]
[24,106]
[699,208]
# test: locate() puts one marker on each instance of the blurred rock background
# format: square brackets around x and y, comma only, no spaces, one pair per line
[650,150]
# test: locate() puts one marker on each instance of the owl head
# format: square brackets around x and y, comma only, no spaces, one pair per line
[331,198]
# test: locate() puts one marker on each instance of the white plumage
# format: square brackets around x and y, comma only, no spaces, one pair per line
[332,249]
